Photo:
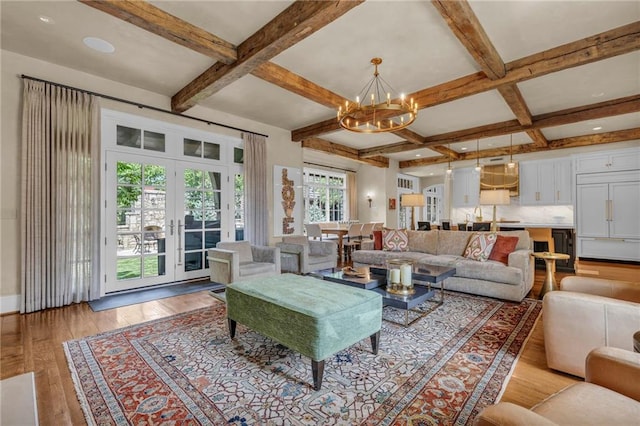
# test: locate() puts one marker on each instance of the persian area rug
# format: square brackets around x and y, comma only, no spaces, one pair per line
[185,369]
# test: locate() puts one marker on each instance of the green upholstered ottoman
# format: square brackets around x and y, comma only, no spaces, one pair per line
[310,316]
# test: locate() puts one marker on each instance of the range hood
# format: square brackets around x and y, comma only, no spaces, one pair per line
[499,176]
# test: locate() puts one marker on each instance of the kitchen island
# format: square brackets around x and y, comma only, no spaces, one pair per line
[563,238]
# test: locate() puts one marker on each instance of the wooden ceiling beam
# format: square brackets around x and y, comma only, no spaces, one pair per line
[626,105]
[281,77]
[294,24]
[538,138]
[410,136]
[343,151]
[465,26]
[572,142]
[608,44]
[150,18]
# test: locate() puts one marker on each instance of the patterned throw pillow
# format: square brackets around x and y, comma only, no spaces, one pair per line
[502,248]
[479,246]
[395,240]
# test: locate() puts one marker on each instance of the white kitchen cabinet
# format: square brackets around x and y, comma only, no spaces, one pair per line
[545,182]
[465,188]
[608,161]
[608,225]
[563,182]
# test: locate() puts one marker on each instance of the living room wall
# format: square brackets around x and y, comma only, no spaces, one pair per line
[280,149]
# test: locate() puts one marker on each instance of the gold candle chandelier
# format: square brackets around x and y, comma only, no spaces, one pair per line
[374,111]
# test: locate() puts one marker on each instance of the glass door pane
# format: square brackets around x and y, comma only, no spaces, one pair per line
[202,212]
[137,200]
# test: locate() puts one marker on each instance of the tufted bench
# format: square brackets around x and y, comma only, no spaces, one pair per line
[310,316]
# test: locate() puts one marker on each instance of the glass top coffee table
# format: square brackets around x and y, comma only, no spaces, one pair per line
[423,277]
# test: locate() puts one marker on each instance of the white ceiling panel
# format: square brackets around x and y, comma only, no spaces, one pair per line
[609,124]
[596,82]
[258,100]
[484,108]
[524,27]
[410,37]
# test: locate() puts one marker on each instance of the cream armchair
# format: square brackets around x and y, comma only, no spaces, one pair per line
[588,313]
[302,256]
[609,396]
[236,261]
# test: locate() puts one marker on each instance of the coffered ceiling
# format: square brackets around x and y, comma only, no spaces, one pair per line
[549,74]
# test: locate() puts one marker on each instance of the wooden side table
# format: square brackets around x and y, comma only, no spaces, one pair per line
[550,263]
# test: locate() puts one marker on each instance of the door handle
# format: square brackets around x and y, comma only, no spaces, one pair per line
[179,262]
[171,227]
[610,209]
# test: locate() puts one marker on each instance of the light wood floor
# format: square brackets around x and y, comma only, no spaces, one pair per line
[33,342]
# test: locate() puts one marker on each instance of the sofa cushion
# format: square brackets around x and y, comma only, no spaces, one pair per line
[395,239]
[452,242]
[502,248]
[487,271]
[254,268]
[423,241]
[479,246]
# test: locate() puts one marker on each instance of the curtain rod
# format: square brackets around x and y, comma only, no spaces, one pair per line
[139,105]
[329,167]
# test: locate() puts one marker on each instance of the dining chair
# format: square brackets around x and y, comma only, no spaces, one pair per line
[313,231]
[354,240]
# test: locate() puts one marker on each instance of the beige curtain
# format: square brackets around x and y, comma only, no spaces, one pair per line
[352,190]
[60,197]
[256,217]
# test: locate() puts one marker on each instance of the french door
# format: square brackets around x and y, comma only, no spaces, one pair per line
[161,217]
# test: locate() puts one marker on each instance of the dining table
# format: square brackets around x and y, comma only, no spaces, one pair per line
[339,229]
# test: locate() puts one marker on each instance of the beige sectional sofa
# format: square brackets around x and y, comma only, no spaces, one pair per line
[490,278]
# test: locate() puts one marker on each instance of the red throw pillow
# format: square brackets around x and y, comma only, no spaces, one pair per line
[502,248]
[377,240]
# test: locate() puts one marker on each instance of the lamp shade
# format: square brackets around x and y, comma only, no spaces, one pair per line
[496,197]
[412,200]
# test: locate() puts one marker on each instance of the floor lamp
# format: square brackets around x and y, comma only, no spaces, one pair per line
[413,201]
[495,197]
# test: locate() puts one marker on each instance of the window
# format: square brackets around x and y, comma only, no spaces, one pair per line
[325,195]
[433,203]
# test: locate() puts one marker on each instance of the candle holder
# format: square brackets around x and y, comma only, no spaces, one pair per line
[399,277]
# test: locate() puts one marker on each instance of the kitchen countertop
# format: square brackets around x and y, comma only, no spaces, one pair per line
[536,225]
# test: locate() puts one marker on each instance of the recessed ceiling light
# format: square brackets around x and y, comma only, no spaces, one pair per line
[431,174]
[490,144]
[46,19]
[597,128]
[418,155]
[464,148]
[597,95]
[99,44]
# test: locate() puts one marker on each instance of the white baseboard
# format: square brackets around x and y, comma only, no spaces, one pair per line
[9,303]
